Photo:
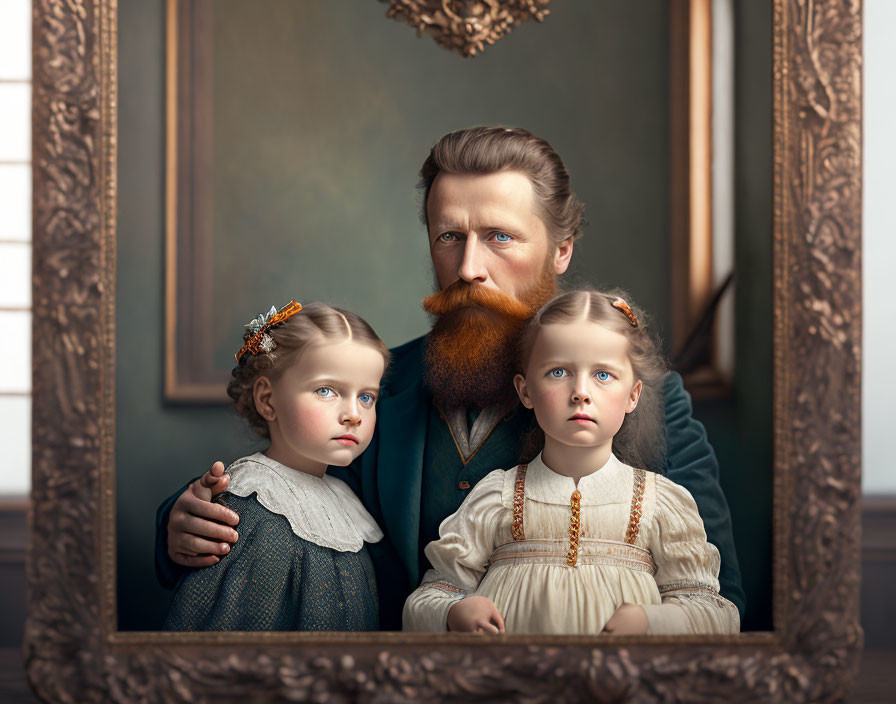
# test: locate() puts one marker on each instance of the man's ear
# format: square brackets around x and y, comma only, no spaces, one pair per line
[562,255]
[519,382]
[634,396]
[261,394]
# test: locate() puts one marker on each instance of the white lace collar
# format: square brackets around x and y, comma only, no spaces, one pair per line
[611,483]
[323,511]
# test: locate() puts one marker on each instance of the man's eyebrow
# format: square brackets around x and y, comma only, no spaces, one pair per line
[445,225]
[496,225]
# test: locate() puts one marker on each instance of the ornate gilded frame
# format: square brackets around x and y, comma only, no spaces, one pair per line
[72,648]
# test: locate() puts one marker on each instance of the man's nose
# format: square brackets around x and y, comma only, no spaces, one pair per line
[472,266]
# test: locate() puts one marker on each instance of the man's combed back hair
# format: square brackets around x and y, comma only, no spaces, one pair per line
[316,322]
[488,150]
[641,441]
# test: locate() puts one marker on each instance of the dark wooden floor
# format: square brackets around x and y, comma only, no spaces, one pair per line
[876,684]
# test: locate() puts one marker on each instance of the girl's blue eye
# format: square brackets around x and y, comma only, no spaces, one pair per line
[557,373]
[603,376]
[502,237]
[366,399]
[324,392]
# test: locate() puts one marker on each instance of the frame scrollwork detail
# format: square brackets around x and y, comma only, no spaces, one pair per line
[466,26]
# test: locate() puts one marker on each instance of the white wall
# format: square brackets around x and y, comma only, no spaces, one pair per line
[879,255]
[15,245]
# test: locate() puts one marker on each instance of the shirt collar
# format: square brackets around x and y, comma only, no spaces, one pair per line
[611,483]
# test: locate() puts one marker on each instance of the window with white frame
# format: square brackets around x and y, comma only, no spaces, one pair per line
[879,248]
[15,246]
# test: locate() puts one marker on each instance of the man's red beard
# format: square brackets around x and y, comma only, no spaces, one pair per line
[472,350]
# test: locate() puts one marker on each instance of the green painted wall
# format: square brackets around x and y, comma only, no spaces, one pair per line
[740,427]
[324,113]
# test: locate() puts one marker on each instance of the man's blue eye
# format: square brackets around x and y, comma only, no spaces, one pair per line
[603,376]
[448,237]
[502,237]
[324,392]
[557,373]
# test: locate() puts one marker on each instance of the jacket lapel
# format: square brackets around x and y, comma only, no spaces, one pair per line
[402,438]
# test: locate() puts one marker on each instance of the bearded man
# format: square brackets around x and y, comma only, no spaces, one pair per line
[502,220]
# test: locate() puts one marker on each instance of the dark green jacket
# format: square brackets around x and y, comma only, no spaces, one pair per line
[388,478]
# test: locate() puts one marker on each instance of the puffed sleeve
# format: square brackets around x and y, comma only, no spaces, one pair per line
[687,569]
[459,557]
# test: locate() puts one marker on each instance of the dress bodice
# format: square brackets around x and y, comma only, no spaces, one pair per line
[556,556]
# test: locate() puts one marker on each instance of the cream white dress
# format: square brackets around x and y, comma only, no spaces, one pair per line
[555,557]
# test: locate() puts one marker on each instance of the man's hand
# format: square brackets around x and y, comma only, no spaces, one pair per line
[627,620]
[196,526]
[475,614]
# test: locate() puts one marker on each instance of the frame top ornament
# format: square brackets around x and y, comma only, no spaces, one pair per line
[466,26]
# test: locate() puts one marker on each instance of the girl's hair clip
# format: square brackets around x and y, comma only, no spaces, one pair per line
[620,304]
[260,341]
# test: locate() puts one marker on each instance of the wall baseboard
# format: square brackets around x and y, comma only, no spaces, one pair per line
[879,570]
[13,542]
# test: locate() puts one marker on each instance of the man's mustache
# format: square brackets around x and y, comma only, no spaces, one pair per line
[461,294]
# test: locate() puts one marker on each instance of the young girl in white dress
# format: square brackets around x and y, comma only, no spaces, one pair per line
[582,539]
[307,379]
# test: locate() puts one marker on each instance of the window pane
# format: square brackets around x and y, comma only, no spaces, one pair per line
[15,275]
[15,341]
[15,202]
[879,249]
[15,39]
[15,439]
[15,122]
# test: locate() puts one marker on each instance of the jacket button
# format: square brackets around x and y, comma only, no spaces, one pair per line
[463,485]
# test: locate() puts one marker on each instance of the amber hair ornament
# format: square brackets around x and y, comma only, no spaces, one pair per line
[621,305]
[259,340]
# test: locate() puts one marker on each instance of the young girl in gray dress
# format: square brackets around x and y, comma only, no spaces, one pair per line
[307,379]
